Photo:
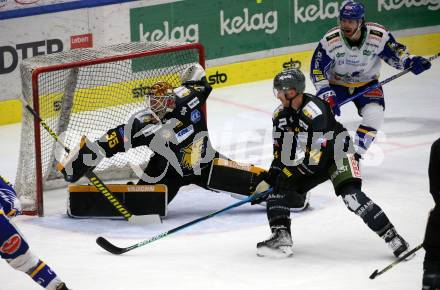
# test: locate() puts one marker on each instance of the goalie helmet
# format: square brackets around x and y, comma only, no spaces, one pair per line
[289,79]
[161,98]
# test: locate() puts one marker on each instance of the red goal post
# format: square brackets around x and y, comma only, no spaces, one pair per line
[87,92]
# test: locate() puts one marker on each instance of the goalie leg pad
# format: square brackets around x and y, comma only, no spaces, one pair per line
[85,200]
[231,176]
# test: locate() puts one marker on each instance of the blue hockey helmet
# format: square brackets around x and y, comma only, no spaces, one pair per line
[352,10]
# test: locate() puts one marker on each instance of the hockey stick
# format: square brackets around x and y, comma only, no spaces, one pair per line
[89,174]
[377,272]
[385,81]
[106,245]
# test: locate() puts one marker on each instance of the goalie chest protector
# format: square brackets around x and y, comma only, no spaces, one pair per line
[85,201]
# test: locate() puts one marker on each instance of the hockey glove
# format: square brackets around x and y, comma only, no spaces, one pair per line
[282,183]
[417,64]
[328,94]
[81,159]
[260,184]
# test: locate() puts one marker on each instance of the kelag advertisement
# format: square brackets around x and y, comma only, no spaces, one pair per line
[229,27]
[225,27]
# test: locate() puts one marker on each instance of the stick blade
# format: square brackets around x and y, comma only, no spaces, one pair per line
[109,247]
[374,274]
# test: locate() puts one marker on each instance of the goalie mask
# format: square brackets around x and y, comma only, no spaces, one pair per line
[161,98]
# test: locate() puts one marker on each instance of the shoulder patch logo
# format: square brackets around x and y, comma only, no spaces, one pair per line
[332,36]
[311,110]
[376,32]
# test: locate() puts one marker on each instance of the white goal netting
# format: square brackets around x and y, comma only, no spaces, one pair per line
[87,92]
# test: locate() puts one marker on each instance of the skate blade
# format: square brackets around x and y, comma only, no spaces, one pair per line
[298,209]
[281,252]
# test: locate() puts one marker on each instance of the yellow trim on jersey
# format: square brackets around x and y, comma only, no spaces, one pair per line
[5,180]
[2,212]
[371,133]
[38,269]
[12,213]
[351,85]
[287,172]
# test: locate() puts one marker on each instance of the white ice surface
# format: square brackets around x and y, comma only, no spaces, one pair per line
[333,249]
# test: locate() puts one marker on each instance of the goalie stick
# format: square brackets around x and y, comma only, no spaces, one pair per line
[377,272]
[106,245]
[385,81]
[89,174]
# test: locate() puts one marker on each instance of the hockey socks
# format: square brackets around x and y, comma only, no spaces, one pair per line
[278,211]
[364,138]
[43,275]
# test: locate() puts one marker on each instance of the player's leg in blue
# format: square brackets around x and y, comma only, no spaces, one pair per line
[371,108]
[14,248]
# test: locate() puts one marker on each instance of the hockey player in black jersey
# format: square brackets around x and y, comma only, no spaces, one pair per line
[311,147]
[431,244]
[174,128]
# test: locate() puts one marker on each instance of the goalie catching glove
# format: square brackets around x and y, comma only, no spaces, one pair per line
[81,159]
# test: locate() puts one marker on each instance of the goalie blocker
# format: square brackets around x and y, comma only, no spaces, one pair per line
[225,175]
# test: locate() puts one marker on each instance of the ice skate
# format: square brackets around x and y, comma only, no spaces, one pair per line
[398,244]
[279,244]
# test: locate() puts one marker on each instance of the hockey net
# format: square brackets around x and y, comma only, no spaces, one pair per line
[87,92]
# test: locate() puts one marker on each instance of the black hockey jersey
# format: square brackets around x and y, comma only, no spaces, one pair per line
[304,139]
[181,136]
